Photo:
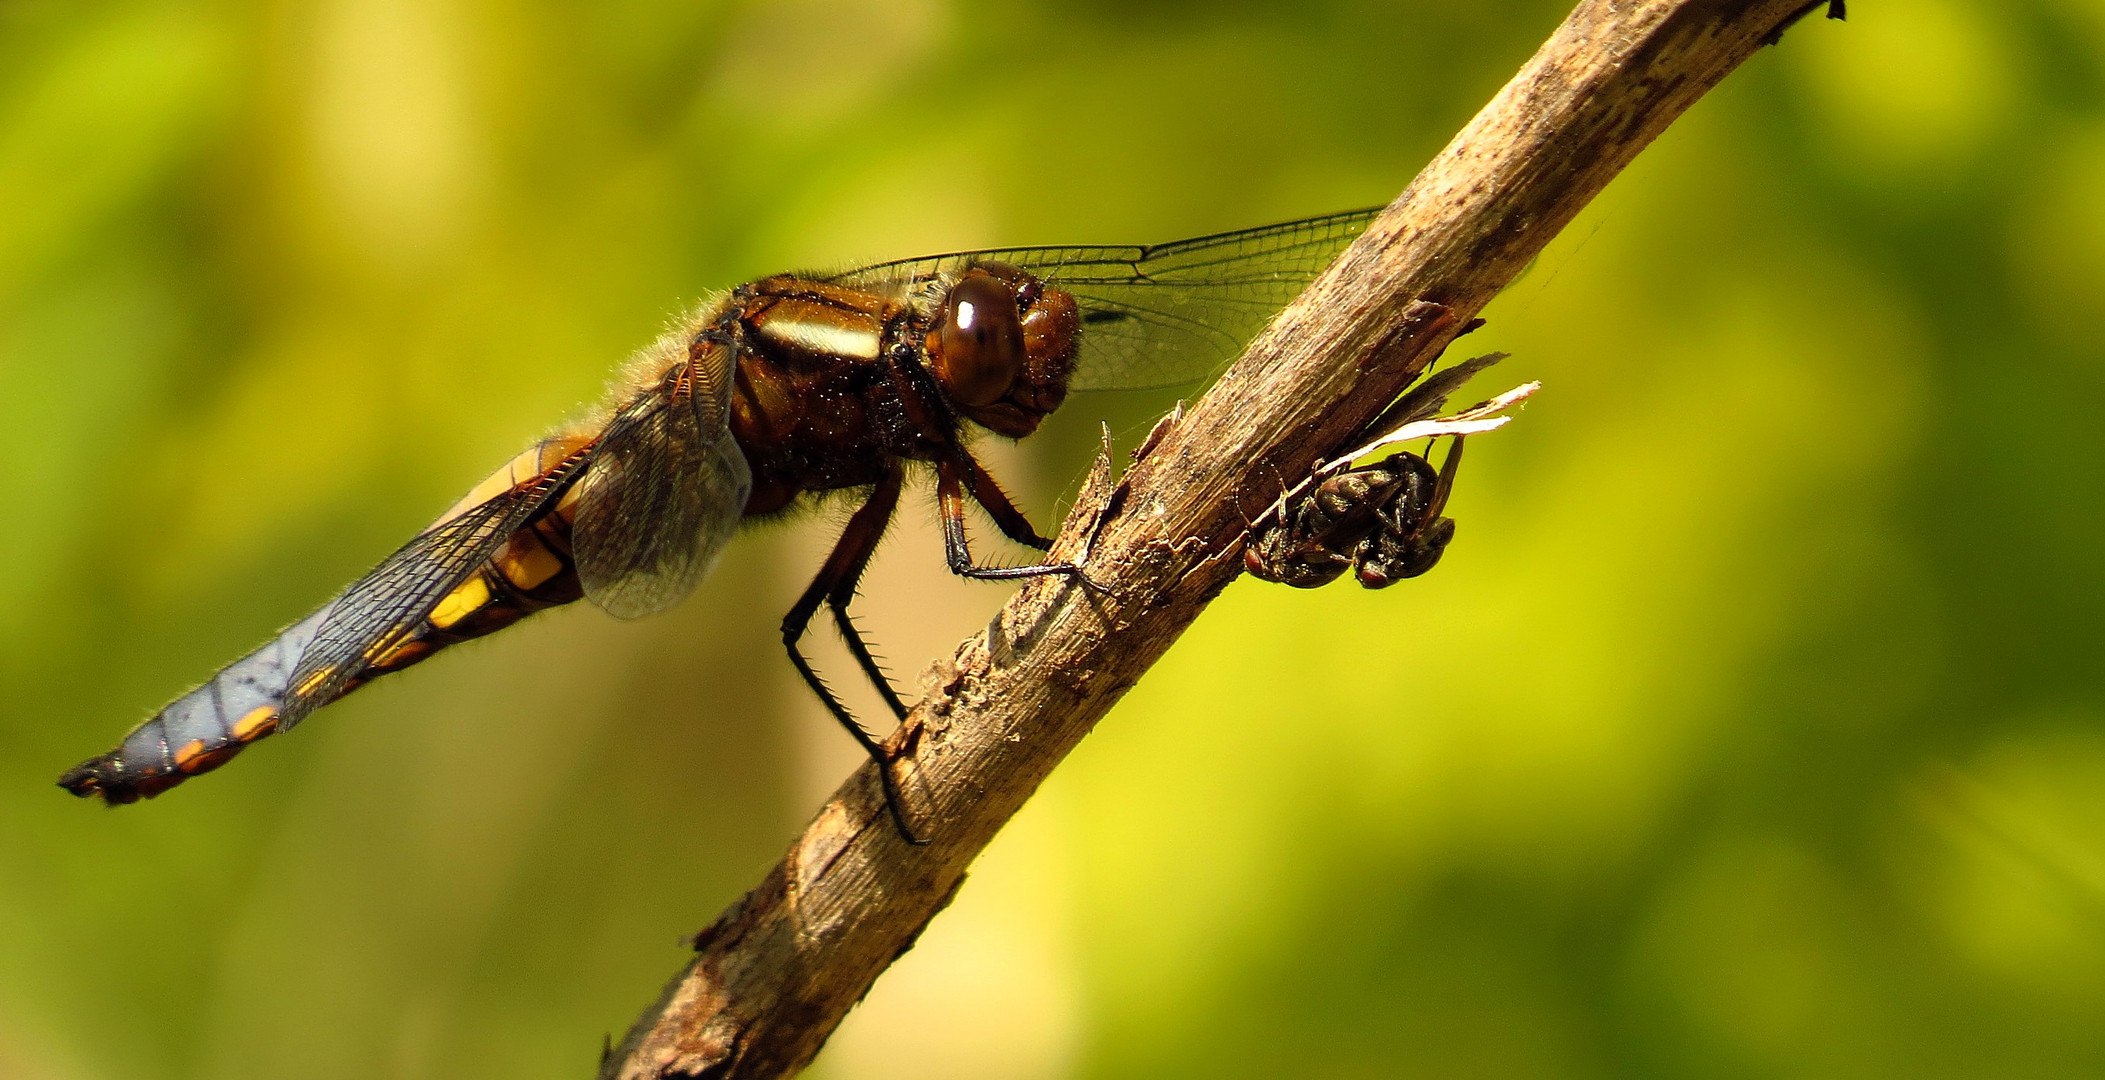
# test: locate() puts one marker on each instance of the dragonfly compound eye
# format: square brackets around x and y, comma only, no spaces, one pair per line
[979,346]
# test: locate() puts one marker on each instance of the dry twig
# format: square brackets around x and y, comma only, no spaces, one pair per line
[777,971]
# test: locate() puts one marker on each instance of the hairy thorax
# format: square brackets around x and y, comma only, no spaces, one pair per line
[820,399]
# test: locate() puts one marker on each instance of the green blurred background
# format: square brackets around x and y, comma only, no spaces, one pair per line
[1754,726]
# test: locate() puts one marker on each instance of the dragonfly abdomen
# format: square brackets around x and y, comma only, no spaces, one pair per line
[532,571]
[201,730]
[246,700]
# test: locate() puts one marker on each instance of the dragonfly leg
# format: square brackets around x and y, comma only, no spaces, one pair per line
[995,502]
[954,475]
[834,586]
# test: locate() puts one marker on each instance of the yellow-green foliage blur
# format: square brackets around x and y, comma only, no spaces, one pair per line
[1754,725]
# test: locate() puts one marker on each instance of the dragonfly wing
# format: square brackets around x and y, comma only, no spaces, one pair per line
[665,492]
[390,604]
[1160,314]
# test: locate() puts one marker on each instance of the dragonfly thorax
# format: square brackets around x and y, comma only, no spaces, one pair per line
[834,383]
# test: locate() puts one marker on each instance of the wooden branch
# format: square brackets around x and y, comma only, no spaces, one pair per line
[778,970]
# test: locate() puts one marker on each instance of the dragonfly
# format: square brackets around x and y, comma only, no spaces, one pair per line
[771,394]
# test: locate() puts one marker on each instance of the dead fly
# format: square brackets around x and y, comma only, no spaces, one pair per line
[1382,520]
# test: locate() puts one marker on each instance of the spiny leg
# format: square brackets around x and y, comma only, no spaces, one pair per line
[837,602]
[953,475]
[834,586]
[995,502]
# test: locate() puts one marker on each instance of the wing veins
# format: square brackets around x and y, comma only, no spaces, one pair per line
[382,609]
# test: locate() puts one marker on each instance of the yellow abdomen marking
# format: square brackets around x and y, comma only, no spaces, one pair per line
[526,562]
[259,721]
[534,461]
[308,684]
[555,450]
[193,758]
[409,652]
[496,484]
[472,596]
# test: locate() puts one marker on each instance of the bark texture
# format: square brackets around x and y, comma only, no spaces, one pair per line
[775,973]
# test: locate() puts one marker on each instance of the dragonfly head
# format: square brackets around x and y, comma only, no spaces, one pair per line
[1003,346]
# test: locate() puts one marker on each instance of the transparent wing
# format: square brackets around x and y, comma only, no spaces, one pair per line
[666,490]
[389,604]
[1161,314]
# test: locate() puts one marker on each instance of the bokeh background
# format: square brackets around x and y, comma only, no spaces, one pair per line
[1753,727]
